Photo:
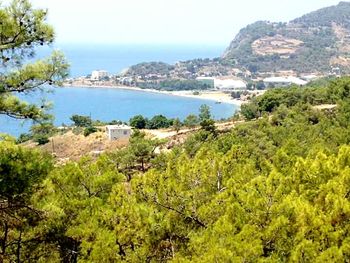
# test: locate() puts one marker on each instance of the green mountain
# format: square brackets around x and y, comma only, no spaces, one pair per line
[316,42]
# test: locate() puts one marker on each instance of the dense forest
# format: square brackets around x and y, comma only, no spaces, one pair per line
[273,189]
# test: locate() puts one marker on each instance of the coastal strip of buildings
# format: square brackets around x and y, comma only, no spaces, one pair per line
[222,83]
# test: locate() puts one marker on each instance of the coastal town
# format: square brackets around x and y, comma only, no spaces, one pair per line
[236,87]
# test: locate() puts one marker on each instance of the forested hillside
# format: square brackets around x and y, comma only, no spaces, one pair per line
[275,188]
[316,42]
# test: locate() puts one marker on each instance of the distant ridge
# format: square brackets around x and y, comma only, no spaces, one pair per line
[316,42]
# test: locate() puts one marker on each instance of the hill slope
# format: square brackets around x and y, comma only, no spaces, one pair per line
[318,41]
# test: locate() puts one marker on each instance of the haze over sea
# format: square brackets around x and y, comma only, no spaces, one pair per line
[114,104]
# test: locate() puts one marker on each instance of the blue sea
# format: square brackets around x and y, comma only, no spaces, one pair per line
[114,104]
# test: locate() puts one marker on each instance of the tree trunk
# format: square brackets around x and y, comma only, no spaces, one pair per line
[143,165]
[4,239]
[19,247]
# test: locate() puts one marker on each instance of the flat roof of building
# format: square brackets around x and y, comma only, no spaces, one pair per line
[205,78]
[118,127]
[289,79]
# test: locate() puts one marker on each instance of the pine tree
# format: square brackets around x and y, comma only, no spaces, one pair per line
[23,28]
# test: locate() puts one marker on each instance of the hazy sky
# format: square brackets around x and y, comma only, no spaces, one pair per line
[166,21]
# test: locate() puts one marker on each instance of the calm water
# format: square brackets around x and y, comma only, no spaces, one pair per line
[111,104]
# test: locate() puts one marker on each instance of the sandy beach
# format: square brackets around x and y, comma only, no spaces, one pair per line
[218,96]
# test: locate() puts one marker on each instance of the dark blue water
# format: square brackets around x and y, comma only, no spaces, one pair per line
[111,104]
[114,104]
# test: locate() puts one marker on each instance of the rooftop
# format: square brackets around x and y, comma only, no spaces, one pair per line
[289,79]
[118,127]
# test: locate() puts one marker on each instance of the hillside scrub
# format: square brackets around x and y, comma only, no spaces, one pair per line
[272,189]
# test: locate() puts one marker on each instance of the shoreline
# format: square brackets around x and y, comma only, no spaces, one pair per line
[217,96]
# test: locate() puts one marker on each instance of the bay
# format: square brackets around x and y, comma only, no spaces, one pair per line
[115,104]
[108,104]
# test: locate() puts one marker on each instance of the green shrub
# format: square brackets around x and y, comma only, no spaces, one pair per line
[81,121]
[41,139]
[159,122]
[24,137]
[138,122]
[89,130]
[77,130]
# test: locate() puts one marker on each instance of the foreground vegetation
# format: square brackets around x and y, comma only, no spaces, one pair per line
[273,189]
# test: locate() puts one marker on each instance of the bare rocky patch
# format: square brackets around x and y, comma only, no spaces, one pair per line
[276,45]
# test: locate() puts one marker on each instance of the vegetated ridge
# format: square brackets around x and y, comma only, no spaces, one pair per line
[318,41]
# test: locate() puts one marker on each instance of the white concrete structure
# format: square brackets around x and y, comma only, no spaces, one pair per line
[230,84]
[310,77]
[205,78]
[115,132]
[284,81]
[126,80]
[224,83]
[98,74]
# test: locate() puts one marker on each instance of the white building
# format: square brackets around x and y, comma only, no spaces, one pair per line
[230,84]
[224,84]
[126,80]
[310,77]
[98,74]
[115,132]
[284,81]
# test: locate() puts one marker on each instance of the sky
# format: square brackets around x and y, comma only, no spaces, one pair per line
[196,22]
